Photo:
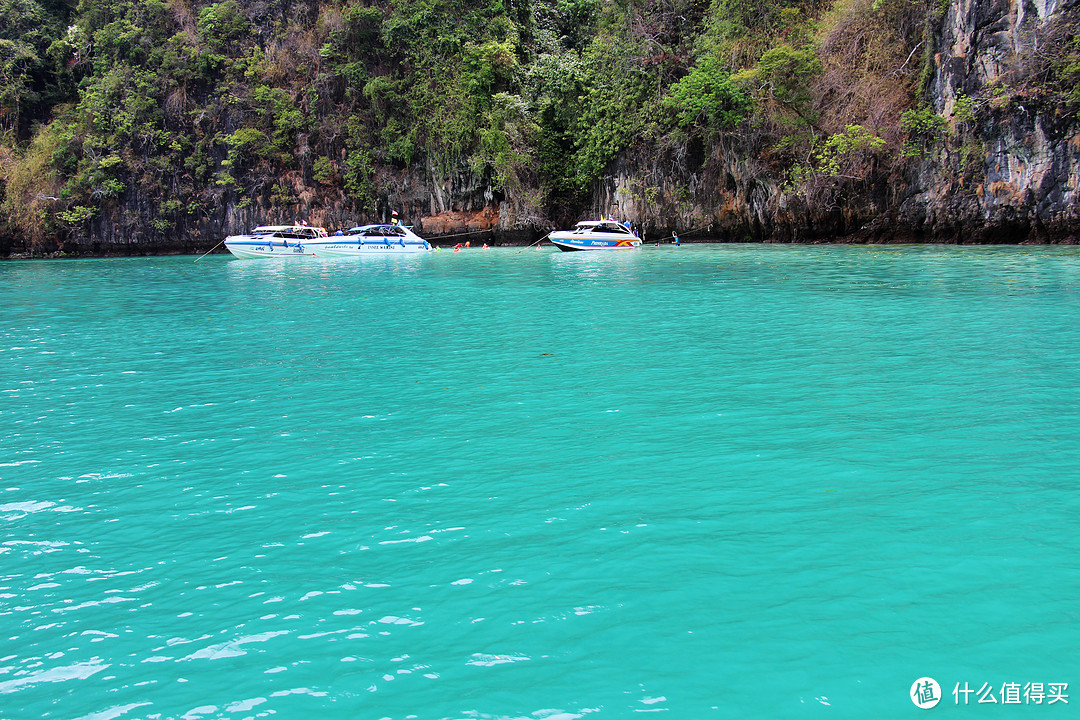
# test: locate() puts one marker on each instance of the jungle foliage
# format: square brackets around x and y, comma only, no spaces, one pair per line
[181,105]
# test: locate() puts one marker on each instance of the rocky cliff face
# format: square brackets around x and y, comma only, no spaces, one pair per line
[1005,168]
[459,204]
[1023,185]
[1001,165]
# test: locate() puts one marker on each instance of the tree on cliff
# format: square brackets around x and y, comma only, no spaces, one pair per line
[152,120]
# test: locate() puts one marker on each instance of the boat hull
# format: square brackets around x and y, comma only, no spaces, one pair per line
[248,249]
[352,249]
[605,244]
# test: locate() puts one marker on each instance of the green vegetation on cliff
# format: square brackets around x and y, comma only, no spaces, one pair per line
[153,115]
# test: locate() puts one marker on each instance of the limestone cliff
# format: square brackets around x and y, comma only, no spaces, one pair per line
[1022,186]
[1004,167]
[897,121]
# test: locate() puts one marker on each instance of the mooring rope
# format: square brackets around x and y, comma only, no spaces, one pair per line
[532,244]
[209,251]
[473,232]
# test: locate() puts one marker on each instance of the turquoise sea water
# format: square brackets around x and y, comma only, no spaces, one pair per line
[708,481]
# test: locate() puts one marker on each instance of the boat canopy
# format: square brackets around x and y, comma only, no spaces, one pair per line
[601,226]
[290,232]
[378,231]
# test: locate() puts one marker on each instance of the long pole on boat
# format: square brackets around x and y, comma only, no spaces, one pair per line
[209,251]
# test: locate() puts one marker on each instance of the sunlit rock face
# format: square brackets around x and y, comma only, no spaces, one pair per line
[992,52]
[1005,170]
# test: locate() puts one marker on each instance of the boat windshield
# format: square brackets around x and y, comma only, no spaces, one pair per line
[378,231]
[603,227]
[290,232]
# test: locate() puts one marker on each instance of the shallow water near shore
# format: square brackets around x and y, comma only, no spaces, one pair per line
[723,481]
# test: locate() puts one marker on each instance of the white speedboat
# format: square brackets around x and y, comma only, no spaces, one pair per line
[274,241]
[595,235]
[370,240]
